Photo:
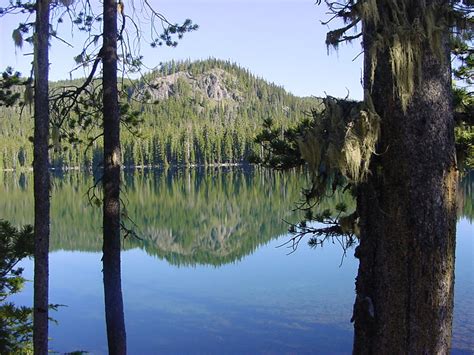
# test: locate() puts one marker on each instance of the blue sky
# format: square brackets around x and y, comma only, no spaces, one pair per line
[279,40]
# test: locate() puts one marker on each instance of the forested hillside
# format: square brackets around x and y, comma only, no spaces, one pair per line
[204,112]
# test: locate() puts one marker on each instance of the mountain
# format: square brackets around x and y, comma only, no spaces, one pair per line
[214,84]
[204,112]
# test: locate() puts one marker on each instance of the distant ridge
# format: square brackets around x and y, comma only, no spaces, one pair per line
[204,112]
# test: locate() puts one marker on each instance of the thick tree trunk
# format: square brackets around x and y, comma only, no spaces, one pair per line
[404,286]
[41,179]
[111,182]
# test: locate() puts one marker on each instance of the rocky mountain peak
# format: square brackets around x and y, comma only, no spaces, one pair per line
[212,84]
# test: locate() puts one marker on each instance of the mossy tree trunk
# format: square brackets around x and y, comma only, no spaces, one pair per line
[41,179]
[405,282]
[114,314]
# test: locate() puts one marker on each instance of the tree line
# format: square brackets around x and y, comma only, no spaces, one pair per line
[186,128]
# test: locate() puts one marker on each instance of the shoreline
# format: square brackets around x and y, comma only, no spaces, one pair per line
[134,167]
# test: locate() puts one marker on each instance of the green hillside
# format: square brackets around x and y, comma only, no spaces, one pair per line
[204,112]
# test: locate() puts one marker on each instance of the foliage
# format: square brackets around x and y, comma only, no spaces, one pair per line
[81,16]
[194,128]
[463,73]
[465,145]
[338,145]
[401,32]
[281,148]
[9,84]
[15,322]
[390,27]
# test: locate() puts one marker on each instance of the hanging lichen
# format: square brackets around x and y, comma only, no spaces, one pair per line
[402,33]
[398,32]
[56,138]
[17,38]
[28,94]
[340,143]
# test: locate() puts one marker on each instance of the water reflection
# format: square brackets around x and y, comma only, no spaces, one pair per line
[465,196]
[177,300]
[186,217]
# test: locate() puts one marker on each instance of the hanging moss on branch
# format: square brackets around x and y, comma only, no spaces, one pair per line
[398,31]
[340,143]
[336,144]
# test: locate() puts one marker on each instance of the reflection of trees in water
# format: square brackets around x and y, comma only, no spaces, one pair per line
[466,196]
[187,217]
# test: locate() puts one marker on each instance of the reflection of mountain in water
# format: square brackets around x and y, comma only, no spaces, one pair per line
[212,218]
[186,217]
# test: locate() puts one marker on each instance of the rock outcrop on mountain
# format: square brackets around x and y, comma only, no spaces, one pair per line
[214,84]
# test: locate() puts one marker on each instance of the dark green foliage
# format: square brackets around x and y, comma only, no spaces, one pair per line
[464,96]
[15,322]
[9,93]
[189,126]
[465,145]
[14,246]
[175,29]
[12,123]
[16,329]
[281,151]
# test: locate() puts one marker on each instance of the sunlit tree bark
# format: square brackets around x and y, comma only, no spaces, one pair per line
[404,286]
[114,313]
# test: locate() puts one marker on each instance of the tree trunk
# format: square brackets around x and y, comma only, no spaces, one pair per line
[111,183]
[404,287]
[41,179]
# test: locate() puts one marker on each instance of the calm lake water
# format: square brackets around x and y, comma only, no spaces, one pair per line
[207,276]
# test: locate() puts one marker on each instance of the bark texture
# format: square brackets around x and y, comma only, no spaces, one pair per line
[111,183]
[41,180]
[404,287]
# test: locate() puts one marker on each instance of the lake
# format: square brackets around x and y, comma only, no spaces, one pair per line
[207,275]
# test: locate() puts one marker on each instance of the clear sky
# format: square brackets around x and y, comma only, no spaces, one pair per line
[279,40]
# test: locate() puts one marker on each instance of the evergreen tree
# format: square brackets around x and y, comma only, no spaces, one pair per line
[41,178]
[405,216]
[111,249]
